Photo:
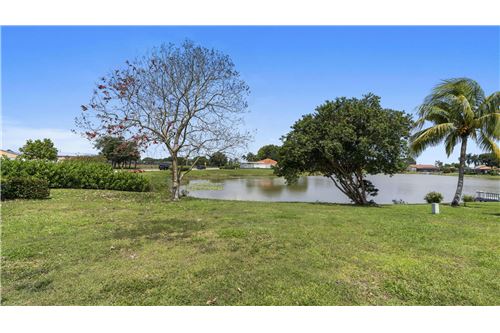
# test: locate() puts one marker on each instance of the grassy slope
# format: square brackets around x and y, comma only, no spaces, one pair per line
[104,247]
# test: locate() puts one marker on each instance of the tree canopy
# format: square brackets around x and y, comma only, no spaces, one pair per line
[459,111]
[117,150]
[268,151]
[188,98]
[345,140]
[250,157]
[218,159]
[39,150]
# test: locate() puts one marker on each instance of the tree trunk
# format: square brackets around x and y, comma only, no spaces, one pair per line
[461,169]
[175,179]
[352,189]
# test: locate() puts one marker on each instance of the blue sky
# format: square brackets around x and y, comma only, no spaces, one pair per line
[48,72]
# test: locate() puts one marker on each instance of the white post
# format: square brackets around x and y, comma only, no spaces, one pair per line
[435,208]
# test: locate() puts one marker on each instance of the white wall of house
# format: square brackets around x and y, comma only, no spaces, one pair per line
[254,165]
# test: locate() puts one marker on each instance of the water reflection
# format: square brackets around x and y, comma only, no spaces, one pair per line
[409,188]
[274,187]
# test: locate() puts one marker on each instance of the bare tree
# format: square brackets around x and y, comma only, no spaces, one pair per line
[189,99]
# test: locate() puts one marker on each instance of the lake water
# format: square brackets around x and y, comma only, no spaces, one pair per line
[410,188]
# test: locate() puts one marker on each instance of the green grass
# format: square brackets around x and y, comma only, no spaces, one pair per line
[91,247]
[455,174]
[489,177]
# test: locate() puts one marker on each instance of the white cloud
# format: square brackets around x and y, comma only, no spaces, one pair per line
[68,143]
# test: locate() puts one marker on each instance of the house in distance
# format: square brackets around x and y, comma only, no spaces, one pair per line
[422,168]
[262,164]
[10,154]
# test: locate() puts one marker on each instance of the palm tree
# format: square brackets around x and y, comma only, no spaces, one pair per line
[458,111]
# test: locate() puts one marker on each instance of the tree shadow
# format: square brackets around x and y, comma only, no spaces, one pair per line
[166,229]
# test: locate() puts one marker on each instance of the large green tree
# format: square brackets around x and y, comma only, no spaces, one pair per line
[345,140]
[218,159]
[268,151]
[458,111]
[39,150]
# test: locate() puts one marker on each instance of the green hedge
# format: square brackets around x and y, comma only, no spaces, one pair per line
[76,174]
[24,188]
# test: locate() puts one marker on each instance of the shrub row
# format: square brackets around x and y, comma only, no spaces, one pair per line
[75,174]
[229,167]
[24,188]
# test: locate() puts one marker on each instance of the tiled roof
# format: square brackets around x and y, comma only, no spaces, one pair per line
[268,161]
[423,166]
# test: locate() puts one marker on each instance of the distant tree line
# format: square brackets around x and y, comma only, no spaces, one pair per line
[472,161]
[487,159]
[217,159]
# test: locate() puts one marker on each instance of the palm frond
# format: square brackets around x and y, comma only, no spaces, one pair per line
[487,144]
[489,124]
[466,87]
[450,143]
[489,115]
[491,104]
[430,136]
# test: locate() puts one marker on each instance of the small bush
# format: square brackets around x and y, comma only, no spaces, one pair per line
[24,188]
[468,198]
[433,197]
[229,167]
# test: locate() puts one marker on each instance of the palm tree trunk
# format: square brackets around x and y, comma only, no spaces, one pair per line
[461,169]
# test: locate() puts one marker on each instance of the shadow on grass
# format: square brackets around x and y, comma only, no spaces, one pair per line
[167,229]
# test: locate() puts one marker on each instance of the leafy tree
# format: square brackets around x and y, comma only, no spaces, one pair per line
[127,152]
[438,164]
[188,98]
[218,159]
[117,150]
[202,160]
[488,159]
[107,146]
[459,111]
[39,150]
[268,151]
[345,140]
[250,157]
[410,160]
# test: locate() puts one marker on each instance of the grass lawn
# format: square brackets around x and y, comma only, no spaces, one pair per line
[455,174]
[91,247]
